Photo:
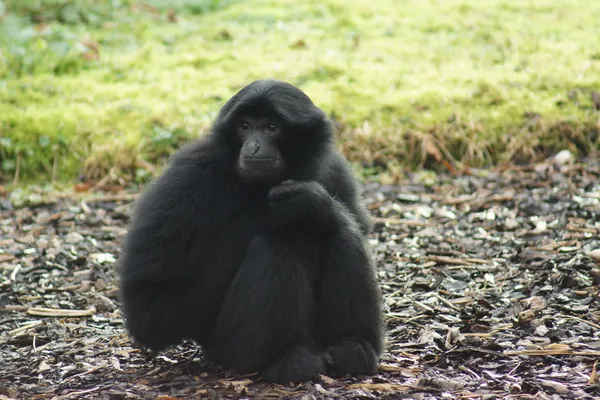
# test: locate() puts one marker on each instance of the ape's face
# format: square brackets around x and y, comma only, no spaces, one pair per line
[260,160]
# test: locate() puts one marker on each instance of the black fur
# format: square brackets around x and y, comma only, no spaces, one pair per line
[274,279]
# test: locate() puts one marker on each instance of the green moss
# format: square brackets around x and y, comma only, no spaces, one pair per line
[133,80]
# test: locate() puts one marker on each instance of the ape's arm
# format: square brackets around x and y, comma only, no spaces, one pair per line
[329,202]
[172,224]
[308,203]
[167,253]
[339,181]
[349,318]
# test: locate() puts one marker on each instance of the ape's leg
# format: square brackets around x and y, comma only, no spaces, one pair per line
[266,321]
[159,313]
[349,320]
[162,308]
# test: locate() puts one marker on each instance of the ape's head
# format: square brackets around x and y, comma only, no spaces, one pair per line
[275,129]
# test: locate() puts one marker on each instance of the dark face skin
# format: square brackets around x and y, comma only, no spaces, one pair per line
[260,161]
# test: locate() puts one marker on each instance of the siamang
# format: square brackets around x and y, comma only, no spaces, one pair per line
[252,243]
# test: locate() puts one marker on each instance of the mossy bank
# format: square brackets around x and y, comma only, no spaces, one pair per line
[86,86]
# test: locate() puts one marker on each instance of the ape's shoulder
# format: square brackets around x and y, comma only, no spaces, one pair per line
[337,171]
[197,152]
[195,169]
[196,160]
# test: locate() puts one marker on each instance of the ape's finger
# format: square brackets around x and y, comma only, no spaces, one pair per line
[283,192]
[287,182]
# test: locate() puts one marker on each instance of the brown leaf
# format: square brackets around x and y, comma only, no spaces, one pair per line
[526,316]
[6,257]
[535,302]
[9,392]
[240,387]
[299,44]
[594,255]
[558,387]
[528,255]
[82,187]
[443,384]
[328,381]
[428,147]
[93,50]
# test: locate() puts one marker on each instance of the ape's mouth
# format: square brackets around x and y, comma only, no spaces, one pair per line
[260,169]
[261,159]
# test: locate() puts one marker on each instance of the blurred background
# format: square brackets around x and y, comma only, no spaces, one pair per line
[104,91]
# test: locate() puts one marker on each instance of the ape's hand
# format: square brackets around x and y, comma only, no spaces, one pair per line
[293,202]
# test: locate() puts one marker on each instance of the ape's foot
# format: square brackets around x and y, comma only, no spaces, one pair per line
[352,356]
[297,364]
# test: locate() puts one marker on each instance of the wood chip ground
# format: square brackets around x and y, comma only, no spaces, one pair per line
[491,284]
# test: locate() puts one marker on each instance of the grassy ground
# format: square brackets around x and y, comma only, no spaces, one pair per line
[89,85]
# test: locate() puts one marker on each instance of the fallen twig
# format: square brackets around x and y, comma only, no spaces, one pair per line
[58,312]
[553,352]
[449,260]
[25,327]
[398,221]
[583,321]
[396,368]
[113,197]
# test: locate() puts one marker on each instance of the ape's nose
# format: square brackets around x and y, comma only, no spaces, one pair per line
[255,148]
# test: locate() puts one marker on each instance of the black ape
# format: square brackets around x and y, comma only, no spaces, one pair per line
[252,243]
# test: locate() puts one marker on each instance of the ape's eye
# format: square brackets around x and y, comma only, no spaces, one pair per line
[245,126]
[271,128]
